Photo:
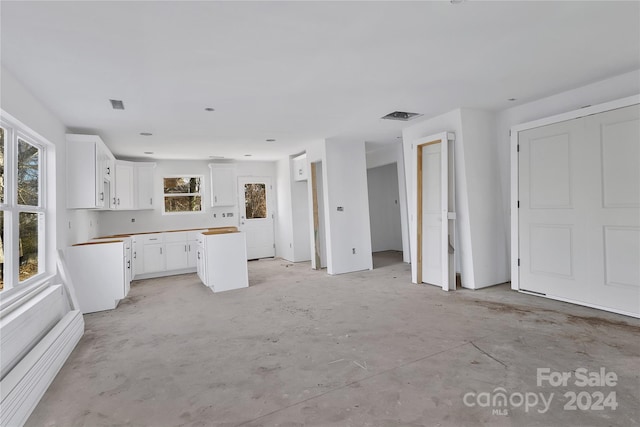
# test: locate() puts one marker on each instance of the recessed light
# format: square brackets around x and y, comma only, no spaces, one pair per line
[511,99]
[146,133]
[209,109]
[148,152]
[116,104]
[401,115]
[271,140]
[248,155]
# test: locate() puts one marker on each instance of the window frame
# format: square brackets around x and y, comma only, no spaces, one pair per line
[16,131]
[199,194]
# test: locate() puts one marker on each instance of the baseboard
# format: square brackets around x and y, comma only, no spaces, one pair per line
[23,387]
[164,273]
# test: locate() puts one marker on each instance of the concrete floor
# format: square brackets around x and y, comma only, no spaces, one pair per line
[300,347]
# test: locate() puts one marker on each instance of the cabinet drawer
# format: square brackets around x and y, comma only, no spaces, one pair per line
[193,235]
[175,236]
[150,238]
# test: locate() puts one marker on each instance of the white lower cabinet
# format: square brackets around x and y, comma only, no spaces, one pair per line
[153,258]
[222,261]
[99,275]
[161,254]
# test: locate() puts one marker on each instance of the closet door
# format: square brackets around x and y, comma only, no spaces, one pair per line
[579,217]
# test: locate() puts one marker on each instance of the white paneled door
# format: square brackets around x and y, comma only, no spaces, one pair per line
[579,214]
[436,217]
[256,215]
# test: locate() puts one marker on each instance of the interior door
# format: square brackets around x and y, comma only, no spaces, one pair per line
[579,216]
[436,213]
[256,216]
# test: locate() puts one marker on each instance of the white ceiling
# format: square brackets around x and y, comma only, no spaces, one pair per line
[299,71]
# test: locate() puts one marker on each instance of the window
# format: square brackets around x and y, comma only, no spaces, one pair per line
[182,194]
[22,210]
[255,201]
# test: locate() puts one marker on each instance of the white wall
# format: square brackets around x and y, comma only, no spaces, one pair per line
[345,178]
[116,222]
[599,92]
[384,208]
[284,219]
[484,195]
[301,224]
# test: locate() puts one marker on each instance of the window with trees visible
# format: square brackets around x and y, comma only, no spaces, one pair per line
[22,210]
[182,194]
[255,201]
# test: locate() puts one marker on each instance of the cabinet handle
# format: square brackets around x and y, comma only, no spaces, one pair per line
[134,254]
[189,248]
[114,201]
[108,170]
[160,251]
[129,264]
[198,254]
[185,248]
[155,238]
[215,198]
[118,201]
[151,201]
[102,197]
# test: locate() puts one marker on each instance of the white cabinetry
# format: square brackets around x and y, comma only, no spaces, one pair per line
[124,195]
[223,184]
[99,274]
[163,254]
[153,252]
[223,258]
[300,168]
[177,255]
[90,173]
[144,178]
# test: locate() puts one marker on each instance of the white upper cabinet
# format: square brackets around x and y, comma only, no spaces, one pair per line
[89,173]
[124,194]
[144,178]
[223,184]
[300,168]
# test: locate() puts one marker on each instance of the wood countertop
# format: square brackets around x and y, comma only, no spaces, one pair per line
[214,230]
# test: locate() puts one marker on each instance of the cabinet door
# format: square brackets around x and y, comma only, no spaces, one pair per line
[154,258]
[200,263]
[223,185]
[176,255]
[192,253]
[144,181]
[137,256]
[124,186]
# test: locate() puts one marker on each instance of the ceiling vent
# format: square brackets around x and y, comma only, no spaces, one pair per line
[401,115]
[116,104]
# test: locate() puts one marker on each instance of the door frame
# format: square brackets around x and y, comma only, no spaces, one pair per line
[515,169]
[448,263]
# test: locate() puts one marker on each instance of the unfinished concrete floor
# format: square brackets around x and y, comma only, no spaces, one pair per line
[301,348]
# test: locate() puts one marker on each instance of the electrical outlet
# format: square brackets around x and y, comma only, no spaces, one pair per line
[133,220]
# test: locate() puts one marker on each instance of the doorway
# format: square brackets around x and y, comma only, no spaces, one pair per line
[435,216]
[319,253]
[256,216]
[384,212]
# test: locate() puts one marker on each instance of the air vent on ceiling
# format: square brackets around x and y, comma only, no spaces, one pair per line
[117,104]
[401,115]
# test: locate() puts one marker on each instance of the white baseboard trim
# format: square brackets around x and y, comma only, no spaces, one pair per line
[23,387]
